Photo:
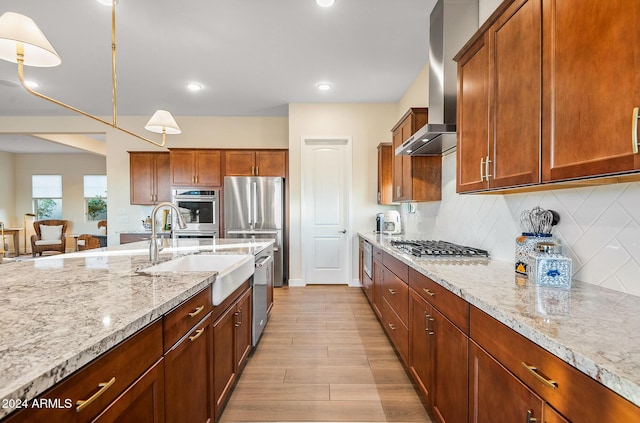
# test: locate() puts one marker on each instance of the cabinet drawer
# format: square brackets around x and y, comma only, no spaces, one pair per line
[396,330]
[396,266]
[99,383]
[182,318]
[449,304]
[396,292]
[577,396]
[377,254]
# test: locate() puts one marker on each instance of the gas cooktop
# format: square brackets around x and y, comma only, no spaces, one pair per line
[431,248]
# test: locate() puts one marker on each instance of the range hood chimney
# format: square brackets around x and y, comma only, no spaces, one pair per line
[453,22]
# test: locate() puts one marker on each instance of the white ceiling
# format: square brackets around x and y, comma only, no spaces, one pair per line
[253,57]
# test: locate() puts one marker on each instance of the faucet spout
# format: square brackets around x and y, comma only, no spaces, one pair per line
[154,250]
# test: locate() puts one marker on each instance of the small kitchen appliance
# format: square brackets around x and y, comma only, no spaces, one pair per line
[379,223]
[392,224]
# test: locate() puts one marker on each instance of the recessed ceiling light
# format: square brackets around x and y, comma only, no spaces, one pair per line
[194,86]
[106,2]
[31,84]
[325,3]
[323,86]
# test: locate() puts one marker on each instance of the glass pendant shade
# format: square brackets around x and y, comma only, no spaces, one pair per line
[16,29]
[162,120]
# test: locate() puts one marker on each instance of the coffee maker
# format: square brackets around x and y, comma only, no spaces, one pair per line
[392,224]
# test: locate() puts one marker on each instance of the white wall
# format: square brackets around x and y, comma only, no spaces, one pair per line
[7,190]
[367,125]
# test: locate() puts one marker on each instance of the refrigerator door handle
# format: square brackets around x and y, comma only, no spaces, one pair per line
[254,200]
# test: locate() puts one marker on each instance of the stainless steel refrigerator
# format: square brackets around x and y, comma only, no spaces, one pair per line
[254,209]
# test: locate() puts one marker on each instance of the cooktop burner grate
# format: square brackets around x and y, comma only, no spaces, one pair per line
[430,248]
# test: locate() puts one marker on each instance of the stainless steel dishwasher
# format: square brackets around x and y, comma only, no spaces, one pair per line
[262,278]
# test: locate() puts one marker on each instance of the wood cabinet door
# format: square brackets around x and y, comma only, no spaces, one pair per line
[239,163]
[224,365]
[495,395]
[141,178]
[592,84]
[208,168]
[182,167]
[189,377]
[397,166]
[421,344]
[385,173]
[271,163]
[516,96]
[162,177]
[243,330]
[473,117]
[450,397]
[143,401]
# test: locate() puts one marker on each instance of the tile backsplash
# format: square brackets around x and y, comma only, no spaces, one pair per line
[599,226]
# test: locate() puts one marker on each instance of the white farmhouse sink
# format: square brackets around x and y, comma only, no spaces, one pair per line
[233,270]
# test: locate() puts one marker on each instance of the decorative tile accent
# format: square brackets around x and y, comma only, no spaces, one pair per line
[599,226]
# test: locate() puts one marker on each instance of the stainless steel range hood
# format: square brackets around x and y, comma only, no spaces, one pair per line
[452,24]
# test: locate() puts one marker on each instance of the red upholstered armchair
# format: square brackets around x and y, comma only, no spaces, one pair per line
[51,235]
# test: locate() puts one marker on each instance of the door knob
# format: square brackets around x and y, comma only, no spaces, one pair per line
[344,231]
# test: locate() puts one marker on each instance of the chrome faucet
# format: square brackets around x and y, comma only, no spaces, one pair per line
[154,250]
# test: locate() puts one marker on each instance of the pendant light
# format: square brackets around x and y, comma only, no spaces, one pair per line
[22,42]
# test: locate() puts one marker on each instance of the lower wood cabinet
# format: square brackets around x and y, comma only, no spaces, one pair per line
[128,377]
[141,402]
[231,347]
[495,395]
[469,367]
[189,376]
[438,360]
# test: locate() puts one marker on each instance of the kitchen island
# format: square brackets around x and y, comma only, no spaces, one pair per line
[592,329]
[61,312]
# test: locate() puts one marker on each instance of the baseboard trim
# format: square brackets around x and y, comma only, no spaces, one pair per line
[297,282]
[355,283]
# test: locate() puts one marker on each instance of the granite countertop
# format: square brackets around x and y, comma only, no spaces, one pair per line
[60,312]
[594,329]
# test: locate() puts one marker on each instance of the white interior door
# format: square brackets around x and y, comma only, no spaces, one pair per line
[326,178]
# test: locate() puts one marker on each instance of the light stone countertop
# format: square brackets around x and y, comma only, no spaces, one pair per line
[60,312]
[594,329]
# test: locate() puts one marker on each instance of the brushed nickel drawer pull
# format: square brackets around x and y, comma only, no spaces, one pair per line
[530,418]
[429,293]
[197,335]
[482,169]
[196,311]
[534,371]
[392,291]
[391,326]
[81,404]
[634,130]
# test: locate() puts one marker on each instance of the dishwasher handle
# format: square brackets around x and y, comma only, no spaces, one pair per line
[263,261]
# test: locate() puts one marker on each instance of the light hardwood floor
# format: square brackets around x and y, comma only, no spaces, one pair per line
[323,357]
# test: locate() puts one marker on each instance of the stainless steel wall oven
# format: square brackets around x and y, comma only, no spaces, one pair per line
[200,209]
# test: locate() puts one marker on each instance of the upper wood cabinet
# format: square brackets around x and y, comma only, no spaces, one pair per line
[255,163]
[385,173]
[592,55]
[414,178]
[533,105]
[149,177]
[197,168]
[499,105]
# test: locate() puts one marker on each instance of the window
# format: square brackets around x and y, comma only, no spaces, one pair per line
[95,197]
[46,191]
